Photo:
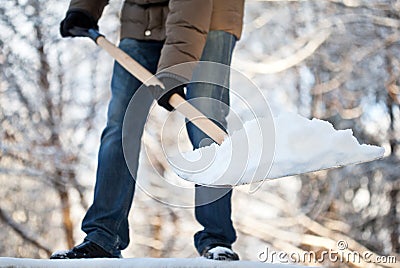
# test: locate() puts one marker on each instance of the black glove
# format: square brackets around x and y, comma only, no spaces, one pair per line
[77,19]
[172,85]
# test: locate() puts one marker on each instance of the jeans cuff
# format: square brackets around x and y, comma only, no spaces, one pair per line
[104,242]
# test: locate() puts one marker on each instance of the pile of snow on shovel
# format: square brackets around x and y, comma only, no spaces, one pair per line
[253,153]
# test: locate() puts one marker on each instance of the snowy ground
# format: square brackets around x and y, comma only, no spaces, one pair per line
[133,263]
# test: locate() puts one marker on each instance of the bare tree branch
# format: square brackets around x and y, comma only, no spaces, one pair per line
[24,234]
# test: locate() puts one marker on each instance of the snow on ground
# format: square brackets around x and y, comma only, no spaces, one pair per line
[135,263]
[301,146]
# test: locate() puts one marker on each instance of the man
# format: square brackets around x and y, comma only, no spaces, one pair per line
[158,34]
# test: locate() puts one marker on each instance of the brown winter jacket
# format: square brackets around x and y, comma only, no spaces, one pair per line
[183,24]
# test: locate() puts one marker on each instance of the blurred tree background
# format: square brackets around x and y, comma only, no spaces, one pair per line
[336,60]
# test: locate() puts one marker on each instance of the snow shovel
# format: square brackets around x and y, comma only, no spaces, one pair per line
[147,78]
[283,163]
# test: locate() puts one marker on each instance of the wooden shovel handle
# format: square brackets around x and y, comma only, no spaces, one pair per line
[179,103]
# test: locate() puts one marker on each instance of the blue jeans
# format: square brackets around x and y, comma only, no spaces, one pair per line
[106,221]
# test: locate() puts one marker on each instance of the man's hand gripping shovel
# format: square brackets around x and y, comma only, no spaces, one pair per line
[147,78]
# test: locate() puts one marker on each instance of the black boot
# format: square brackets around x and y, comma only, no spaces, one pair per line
[86,250]
[221,253]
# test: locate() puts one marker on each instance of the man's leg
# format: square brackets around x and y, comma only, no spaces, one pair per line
[106,221]
[213,205]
